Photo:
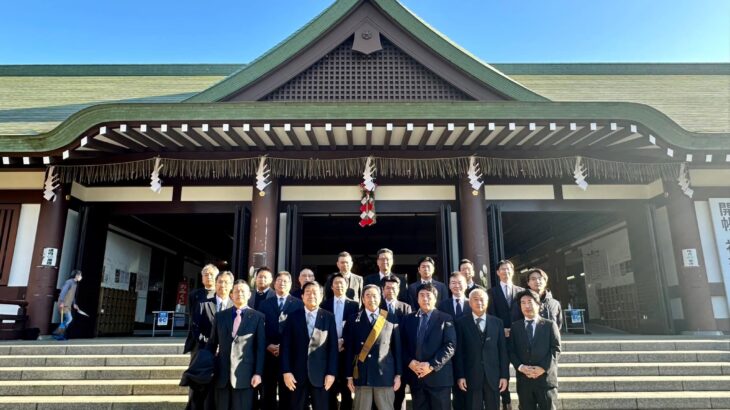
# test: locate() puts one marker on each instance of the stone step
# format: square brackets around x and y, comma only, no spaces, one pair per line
[568,401]
[60,349]
[645,357]
[92,373]
[643,369]
[644,345]
[92,387]
[94,360]
[641,384]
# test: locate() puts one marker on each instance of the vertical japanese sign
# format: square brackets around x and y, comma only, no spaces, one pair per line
[720,211]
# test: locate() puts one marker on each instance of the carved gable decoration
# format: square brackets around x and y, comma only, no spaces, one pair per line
[348,74]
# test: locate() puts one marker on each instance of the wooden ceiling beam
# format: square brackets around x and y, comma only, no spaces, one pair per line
[330,136]
[350,138]
[292,137]
[526,130]
[459,143]
[125,140]
[426,135]
[310,135]
[235,136]
[445,135]
[251,133]
[170,132]
[488,129]
[210,132]
[548,141]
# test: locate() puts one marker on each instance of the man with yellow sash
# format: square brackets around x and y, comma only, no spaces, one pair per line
[373,354]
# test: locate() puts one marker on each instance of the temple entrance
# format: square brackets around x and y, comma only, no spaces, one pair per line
[596,261]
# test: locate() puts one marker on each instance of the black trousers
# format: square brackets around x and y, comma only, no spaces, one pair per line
[431,398]
[458,397]
[228,398]
[306,393]
[273,382]
[400,397]
[340,387]
[505,395]
[480,397]
[535,396]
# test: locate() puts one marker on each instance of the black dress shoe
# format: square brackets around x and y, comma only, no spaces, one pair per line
[506,406]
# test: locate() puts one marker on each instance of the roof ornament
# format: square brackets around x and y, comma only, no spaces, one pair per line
[367,39]
[475,175]
[579,173]
[684,182]
[367,199]
[263,176]
[155,181]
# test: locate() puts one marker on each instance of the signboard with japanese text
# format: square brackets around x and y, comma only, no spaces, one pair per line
[720,211]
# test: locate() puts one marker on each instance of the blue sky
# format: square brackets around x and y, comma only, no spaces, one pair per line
[498,31]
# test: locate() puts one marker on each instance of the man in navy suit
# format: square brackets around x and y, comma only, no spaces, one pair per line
[238,339]
[429,342]
[208,275]
[305,275]
[276,310]
[426,269]
[534,352]
[385,262]
[263,290]
[373,354]
[481,361]
[503,305]
[466,267]
[309,351]
[456,306]
[342,308]
[391,287]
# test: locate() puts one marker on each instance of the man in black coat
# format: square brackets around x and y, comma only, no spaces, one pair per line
[482,361]
[309,351]
[305,275]
[550,307]
[197,297]
[201,397]
[466,267]
[534,352]
[390,302]
[354,282]
[342,308]
[429,342]
[239,340]
[503,305]
[456,306]
[262,291]
[276,310]
[426,269]
[373,370]
[385,265]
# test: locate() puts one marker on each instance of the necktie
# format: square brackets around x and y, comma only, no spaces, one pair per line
[529,328]
[507,295]
[281,304]
[310,323]
[479,324]
[373,318]
[391,309]
[458,310]
[338,317]
[421,334]
[236,322]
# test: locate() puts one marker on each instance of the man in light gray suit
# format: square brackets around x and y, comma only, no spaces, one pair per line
[240,342]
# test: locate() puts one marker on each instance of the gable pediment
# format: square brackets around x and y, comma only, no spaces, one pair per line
[410,55]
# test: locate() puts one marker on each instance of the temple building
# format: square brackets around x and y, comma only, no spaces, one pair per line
[365,129]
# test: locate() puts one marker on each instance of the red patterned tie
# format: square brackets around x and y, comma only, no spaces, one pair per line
[236,322]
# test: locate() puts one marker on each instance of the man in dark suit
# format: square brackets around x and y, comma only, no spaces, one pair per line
[385,264]
[429,341]
[391,287]
[263,291]
[305,275]
[504,306]
[342,308]
[456,306]
[534,352]
[199,397]
[276,310]
[197,297]
[373,354]
[354,282]
[426,269]
[550,307]
[238,339]
[466,267]
[482,362]
[309,351]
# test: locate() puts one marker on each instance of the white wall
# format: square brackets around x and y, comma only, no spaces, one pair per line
[23,252]
[123,256]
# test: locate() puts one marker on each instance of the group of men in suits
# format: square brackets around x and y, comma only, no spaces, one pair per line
[370,337]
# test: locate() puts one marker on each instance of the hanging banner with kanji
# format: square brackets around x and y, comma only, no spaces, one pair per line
[720,211]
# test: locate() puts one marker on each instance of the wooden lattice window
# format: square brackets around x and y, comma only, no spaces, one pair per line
[9,217]
[386,75]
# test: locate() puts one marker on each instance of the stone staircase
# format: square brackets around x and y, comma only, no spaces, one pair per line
[134,373]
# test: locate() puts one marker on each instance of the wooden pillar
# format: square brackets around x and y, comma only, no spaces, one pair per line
[264,225]
[694,289]
[473,224]
[42,279]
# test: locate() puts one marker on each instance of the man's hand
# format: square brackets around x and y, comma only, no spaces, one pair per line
[61,305]
[351,384]
[503,383]
[537,371]
[76,306]
[273,349]
[506,332]
[461,383]
[255,380]
[329,380]
[290,381]
[340,344]
[425,369]
[396,383]
[413,365]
